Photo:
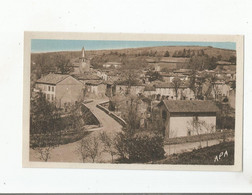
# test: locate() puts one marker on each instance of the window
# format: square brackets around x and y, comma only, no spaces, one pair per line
[52,97]
[48,96]
[52,89]
[49,88]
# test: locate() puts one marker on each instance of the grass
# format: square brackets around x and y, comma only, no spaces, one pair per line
[203,156]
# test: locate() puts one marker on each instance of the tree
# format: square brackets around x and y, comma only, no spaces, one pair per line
[44,143]
[44,125]
[167,54]
[175,54]
[176,82]
[88,147]
[232,59]
[44,115]
[199,127]
[219,57]
[109,144]
[63,65]
[153,76]
[212,78]
[75,117]
[130,114]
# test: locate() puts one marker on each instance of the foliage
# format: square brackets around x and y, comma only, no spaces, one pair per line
[202,62]
[186,53]
[88,148]
[176,82]
[225,122]
[63,65]
[153,76]
[109,144]
[146,146]
[44,115]
[167,54]
[225,117]
[232,59]
[75,118]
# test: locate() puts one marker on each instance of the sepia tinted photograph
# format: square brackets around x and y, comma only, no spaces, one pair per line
[132,101]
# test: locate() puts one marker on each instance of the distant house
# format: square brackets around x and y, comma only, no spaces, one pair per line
[167,90]
[185,118]
[102,74]
[133,89]
[87,77]
[149,90]
[61,89]
[112,65]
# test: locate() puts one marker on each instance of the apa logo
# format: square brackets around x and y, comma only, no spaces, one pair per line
[220,156]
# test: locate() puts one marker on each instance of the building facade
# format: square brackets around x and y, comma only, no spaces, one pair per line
[61,89]
[186,118]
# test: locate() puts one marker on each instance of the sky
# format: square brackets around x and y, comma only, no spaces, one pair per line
[48,45]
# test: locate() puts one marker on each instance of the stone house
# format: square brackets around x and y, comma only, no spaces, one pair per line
[61,89]
[185,118]
[167,90]
[96,89]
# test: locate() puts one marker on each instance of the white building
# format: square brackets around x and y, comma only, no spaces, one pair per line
[186,118]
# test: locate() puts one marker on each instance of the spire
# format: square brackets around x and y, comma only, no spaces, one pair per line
[83,53]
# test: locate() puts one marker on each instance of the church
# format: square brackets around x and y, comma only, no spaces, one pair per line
[81,65]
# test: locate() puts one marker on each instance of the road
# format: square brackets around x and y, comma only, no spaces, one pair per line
[67,152]
[108,124]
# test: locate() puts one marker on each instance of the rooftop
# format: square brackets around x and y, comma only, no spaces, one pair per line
[97,82]
[190,106]
[149,88]
[87,77]
[52,78]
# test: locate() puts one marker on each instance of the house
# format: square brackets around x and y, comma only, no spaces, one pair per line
[167,89]
[185,118]
[133,89]
[149,90]
[87,77]
[102,74]
[61,89]
[96,89]
[112,65]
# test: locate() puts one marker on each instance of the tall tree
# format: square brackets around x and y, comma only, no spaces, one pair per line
[176,82]
[167,54]
[44,115]
[153,76]
[63,65]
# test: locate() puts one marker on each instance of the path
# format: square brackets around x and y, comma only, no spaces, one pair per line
[107,122]
[67,152]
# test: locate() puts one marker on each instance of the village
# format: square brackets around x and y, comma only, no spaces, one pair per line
[164,96]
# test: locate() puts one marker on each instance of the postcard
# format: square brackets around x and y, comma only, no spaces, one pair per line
[133,101]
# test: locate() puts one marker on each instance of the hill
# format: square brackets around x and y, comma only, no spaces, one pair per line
[159,51]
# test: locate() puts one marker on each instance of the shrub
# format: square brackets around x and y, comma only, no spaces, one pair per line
[146,146]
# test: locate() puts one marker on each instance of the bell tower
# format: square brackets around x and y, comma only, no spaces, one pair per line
[84,64]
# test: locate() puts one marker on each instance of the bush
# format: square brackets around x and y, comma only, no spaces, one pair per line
[146,146]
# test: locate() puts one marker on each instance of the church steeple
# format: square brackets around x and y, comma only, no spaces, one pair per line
[84,63]
[83,56]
